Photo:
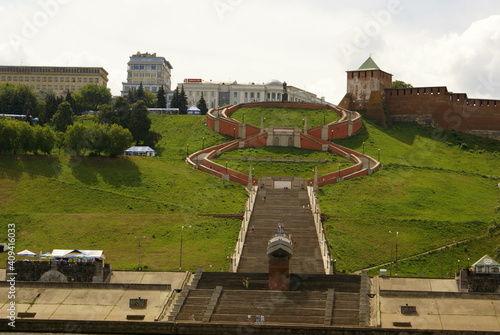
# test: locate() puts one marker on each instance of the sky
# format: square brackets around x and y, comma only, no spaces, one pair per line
[307,43]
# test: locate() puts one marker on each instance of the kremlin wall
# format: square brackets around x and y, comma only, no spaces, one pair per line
[369,88]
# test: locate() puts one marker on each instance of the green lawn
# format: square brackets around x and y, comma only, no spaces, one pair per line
[304,169]
[60,202]
[435,188]
[285,117]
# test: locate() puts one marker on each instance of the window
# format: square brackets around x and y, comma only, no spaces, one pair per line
[37,87]
[96,80]
[148,75]
[67,79]
[61,87]
[26,78]
[153,67]
[246,95]
[44,79]
[4,78]
[32,78]
[72,88]
[66,87]
[91,80]
[235,94]
[141,75]
[15,79]
[141,67]
[153,74]
[84,80]
[50,87]
[136,74]
[258,95]
[50,79]
[252,95]
[79,80]
[73,80]
[21,78]
[61,79]
[37,78]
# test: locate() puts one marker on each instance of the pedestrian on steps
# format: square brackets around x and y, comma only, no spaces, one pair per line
[257,319]
[262,319]
[247,282]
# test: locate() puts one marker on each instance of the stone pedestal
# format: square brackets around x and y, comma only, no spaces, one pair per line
[279,275]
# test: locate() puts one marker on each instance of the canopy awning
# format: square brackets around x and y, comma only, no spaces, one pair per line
[26,253]
[92,254]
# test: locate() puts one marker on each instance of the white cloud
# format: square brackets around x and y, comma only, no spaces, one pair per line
[256,41]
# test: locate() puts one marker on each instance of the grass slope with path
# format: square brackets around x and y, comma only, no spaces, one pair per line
[436,187]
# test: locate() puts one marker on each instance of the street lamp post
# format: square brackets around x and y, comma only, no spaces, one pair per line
[339,170]
[396,270]
[203,143]
[234,133]
[363,148]
[187,149]
[226,167]
[139,267]
[379,155]
[243,118]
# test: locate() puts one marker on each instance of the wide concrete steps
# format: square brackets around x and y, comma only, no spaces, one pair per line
[284,206]
[277,307]
[196,303]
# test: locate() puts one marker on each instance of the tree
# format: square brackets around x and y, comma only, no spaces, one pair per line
[183,102]
[18,99]
[51,105]
[63,117]
[107,115]
[131,96]
[139,123]
[45,139]
[26,137]
[161,99]
[69,98]
[118,140]
[122,110]
[97,137]
[140,95]
[76,138]
[400,84]
[9,136]
[95,95]
[202,105]
[150,99]
[175,103]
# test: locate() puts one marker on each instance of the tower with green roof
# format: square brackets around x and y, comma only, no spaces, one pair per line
[362,82]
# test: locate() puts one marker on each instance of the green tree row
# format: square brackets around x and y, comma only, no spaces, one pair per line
[96,139]
[20,137]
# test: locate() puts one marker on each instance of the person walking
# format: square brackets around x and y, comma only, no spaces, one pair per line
[247,282]
[262,319]
[249,319]
[257,319]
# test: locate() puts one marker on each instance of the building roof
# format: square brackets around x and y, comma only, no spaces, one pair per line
[486,261]
[369,64]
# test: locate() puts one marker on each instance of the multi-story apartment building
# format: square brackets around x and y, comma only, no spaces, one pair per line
[218,94]
[51,78]
[150,70]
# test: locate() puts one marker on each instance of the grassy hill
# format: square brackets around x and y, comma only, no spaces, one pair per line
[62,202]
[436,187]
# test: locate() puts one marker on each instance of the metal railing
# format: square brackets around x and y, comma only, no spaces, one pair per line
[236,255]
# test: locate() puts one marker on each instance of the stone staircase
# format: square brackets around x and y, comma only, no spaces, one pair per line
[329,300]
[287,205]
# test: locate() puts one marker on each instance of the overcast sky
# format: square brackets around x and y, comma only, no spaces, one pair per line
[309,44]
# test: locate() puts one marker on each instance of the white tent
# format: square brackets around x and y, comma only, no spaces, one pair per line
[63,253]
[140,151]
[26,253]
[193,110]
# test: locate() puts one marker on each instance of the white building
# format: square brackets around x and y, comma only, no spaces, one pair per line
[150,70]
[218,94]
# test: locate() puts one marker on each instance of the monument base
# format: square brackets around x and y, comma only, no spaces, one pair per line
[279,275]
